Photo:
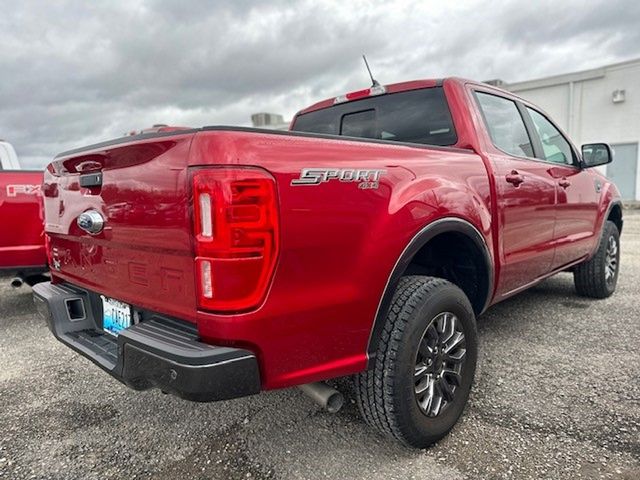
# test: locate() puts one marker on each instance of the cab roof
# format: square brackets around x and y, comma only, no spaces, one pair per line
[398,87]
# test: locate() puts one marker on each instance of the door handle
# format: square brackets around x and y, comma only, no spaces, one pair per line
[514,178]
[564,183]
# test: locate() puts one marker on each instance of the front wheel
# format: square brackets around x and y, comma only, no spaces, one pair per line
[424,365]
[598,276]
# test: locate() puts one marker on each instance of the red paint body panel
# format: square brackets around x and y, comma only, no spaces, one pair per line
[336,250]
[337,243]
[21,217]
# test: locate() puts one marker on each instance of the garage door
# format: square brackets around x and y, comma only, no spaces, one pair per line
[623,169]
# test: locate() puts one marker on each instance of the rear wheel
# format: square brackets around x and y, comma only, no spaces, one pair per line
[597,277]
[424,365]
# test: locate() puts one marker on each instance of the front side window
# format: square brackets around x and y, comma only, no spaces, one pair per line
[505,125]
[555,147]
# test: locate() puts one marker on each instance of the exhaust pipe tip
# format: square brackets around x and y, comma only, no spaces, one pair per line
[17,282]
[327,397]
[335,402]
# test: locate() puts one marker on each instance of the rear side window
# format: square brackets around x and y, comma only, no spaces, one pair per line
[416,116]
[505,125]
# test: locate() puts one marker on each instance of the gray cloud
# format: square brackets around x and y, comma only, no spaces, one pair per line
[76,72]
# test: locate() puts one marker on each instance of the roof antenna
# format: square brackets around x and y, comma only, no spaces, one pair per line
[374,82]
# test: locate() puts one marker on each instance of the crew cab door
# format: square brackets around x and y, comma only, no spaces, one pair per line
[525,195]
[578,190]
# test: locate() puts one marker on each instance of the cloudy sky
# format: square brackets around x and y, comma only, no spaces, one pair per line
[78,72]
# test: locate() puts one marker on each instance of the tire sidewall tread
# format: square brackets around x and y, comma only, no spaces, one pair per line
[589,276]
[385,392]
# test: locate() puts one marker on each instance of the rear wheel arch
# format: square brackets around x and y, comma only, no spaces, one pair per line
[444,230]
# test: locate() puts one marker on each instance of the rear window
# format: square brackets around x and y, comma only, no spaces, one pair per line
[416,116]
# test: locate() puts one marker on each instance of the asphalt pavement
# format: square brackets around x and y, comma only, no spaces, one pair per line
[557,396]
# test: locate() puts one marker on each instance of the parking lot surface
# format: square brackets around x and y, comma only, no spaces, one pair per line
[557,395]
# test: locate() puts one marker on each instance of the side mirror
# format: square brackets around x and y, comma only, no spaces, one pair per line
[594,154]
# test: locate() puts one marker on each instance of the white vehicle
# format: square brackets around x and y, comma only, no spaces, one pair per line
[8,157]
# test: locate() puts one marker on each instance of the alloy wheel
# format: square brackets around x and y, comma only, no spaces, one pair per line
[439,360]
[611,260]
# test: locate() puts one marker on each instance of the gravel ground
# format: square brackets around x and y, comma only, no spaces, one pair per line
[557,396]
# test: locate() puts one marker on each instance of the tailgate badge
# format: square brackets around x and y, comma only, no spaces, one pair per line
[91,221]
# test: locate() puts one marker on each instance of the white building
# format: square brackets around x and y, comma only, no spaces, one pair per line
[599,105]
[271,121]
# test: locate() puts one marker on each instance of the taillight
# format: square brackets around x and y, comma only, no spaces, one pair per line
[236,236]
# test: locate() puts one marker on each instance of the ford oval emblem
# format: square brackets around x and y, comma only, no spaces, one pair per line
[91,221]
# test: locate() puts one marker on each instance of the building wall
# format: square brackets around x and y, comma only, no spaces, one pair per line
[553,99]
[581,103]
[269,121]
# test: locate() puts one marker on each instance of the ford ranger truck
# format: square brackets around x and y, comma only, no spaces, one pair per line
[22,249]
[219,262]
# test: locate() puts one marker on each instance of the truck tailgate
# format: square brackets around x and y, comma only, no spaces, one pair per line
[21,240]
[143,255]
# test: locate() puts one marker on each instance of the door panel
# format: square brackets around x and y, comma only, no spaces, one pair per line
[576,212]
[577,191]
[526,196]
[527,219]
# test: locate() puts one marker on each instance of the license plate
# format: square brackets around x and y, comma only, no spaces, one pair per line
[116,315]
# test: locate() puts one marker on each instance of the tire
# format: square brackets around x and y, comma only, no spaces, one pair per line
[387,394]
[598,276]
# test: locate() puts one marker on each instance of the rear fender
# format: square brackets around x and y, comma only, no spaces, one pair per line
[443,225]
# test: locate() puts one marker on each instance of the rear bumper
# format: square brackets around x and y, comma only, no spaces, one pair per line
[155,352]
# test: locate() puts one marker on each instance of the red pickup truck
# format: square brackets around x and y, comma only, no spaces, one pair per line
[22,249]
[217,262]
